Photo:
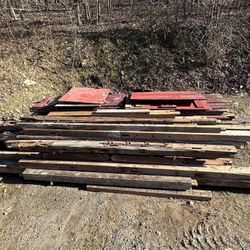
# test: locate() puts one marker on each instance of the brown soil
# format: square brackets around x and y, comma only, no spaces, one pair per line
[50,217]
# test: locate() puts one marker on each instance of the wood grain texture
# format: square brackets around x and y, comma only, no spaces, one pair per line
[188,194]
[109,179]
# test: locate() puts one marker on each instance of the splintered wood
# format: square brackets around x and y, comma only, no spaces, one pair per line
[149,148]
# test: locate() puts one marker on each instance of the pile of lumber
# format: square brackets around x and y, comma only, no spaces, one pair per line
[155,152]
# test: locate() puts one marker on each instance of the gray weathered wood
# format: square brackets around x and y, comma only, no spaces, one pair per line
[123,127]
[188,194]
[170,149]
[108,179]
[225,172]
[233,136]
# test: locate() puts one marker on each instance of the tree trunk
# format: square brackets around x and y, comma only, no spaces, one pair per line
[78,15]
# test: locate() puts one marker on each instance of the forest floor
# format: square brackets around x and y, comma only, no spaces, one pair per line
[36,216]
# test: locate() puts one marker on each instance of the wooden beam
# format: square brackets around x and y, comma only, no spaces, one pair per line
[223,183]
[123,127]
[226,172]
[118,113]
[16,155]
[199,195]
[179,161]
[236,136]
[10,168]
[170,149]
[74,156]
[109,179]
[202,120]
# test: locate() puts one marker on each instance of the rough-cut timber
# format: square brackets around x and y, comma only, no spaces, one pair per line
[16,155]
[10,167]
[145,169]
[201,120]
[125,127]
[121,113]
[225,136]
[170,149]
[188,194]
[108,179]
[177,161]
[67,156]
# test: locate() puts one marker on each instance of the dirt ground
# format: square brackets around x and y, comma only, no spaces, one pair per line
[57,217]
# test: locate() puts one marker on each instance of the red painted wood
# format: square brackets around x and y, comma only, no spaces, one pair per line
[166,95]
[44,103]
[114,100]
[85,95]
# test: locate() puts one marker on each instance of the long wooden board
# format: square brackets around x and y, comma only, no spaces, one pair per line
[121,113]
[109,179]
[16,155]
[177,161]
[10,168]
[237,136]
[199,195]
[65,156]
[145,169]
[124,127]
[170,149]
[202,120]
[224,183]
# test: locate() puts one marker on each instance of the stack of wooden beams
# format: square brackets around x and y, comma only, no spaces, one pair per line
[142,151]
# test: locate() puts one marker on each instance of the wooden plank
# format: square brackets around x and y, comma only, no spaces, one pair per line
[8,126]
[124,127]
[16,155]
[70,113]
[199,195]
[143,169]
[109,179]
[202,120]
[236,127]
[177,161]
[165,95]
[170,149]
[223,183]
[233,136]
[121,114]
[74,156]
[10,168]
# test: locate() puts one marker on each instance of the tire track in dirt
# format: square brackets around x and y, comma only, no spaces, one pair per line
[209,234]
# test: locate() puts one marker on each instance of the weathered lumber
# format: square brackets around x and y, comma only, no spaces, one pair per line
[201,120]
[170,149]
[124,127]
[233,136]
[145,169]
[223,182]
[188,194]
[8,126]
[74,156]
[119,113]
[236,126]
[16,155]
[179,161]
[109,179]
[10,167]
